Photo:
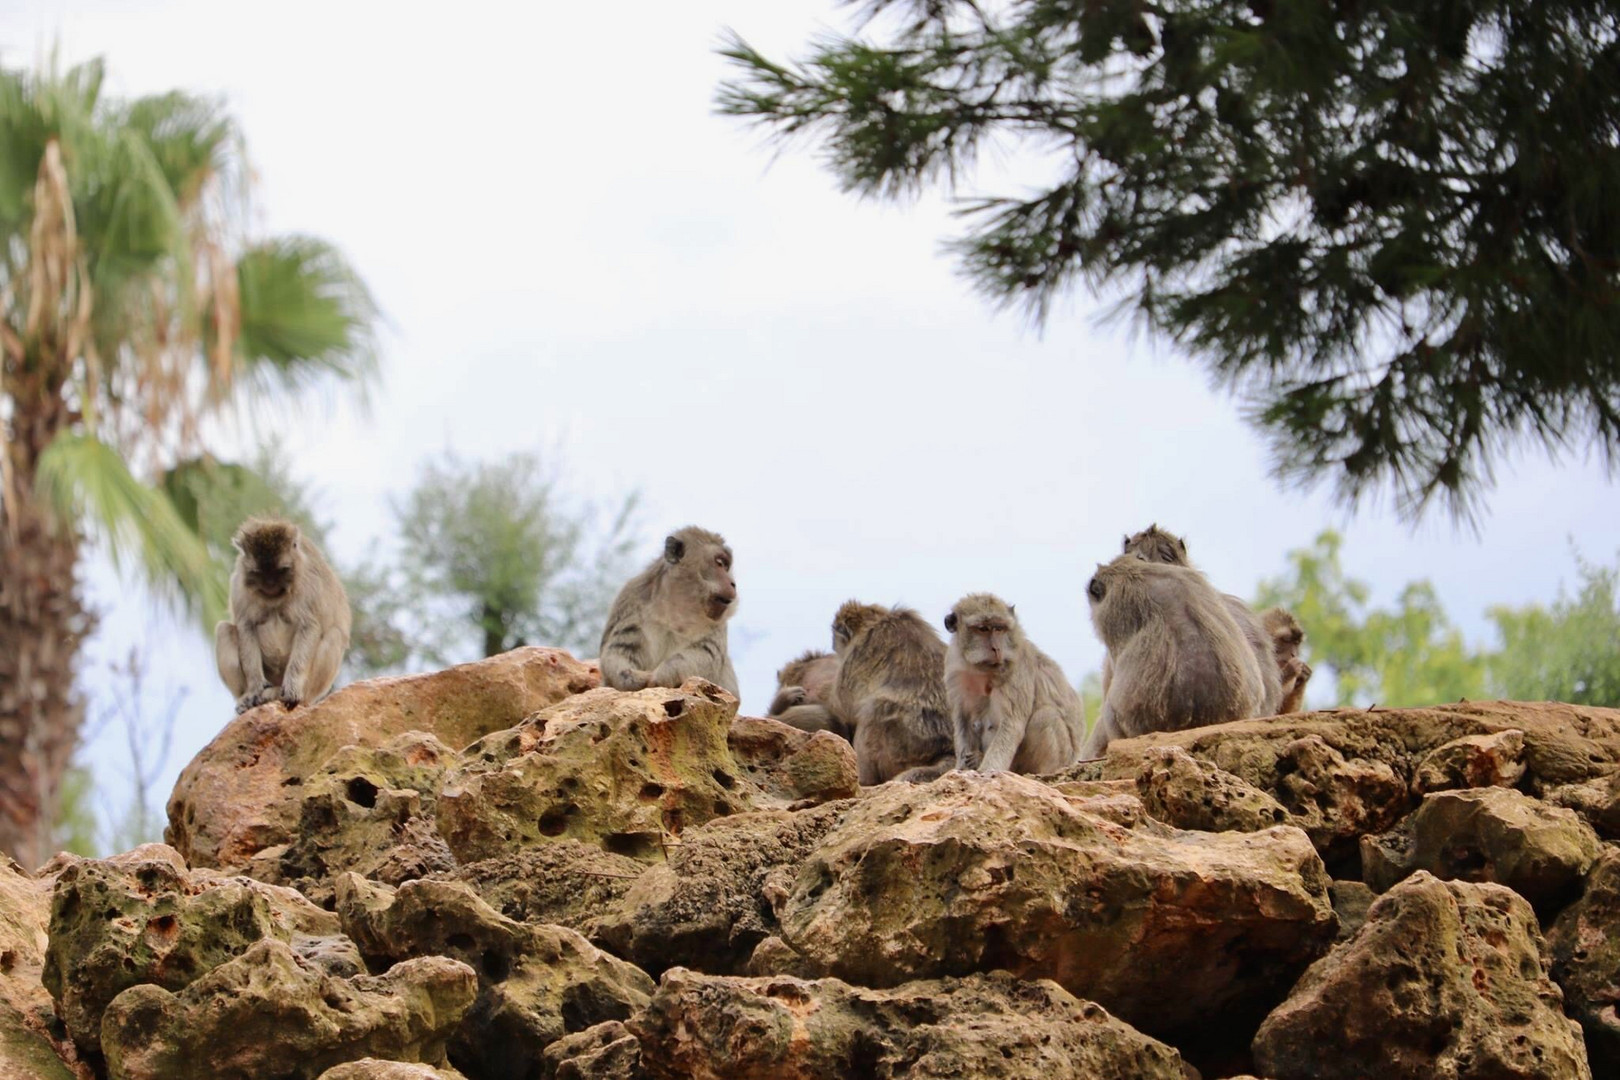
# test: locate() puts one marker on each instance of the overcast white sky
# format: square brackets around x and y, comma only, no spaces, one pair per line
[572,249]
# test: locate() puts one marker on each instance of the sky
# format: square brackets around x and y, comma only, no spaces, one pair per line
[573,252]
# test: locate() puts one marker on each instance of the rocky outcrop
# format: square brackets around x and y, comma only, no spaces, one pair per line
[1446,981]
[569,883]
[270,1013]
[33,1043]
[1585,947]
[978,872]
[377,1069]
[536,982]
[239,796]
[1181,790]
[143,918]
[1487,834]
[1473,761]
[993,1026]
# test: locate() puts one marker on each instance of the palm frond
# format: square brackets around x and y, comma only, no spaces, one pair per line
[87,483]
[305,316]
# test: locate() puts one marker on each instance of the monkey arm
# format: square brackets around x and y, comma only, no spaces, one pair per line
[228,658]
[622,649]
[968,750]
[1006,736]
[813,718]
[704,657]
[314,665]
[786,698]
[1105,731]
[305,643]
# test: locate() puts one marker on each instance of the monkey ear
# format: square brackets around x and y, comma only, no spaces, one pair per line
[950,622]
[1095,589]
[674,548]
[1182,544]
[1012,609]
[1125,544]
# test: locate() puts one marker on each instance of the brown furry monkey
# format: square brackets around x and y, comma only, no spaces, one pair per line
[1178,658]
[1156,545]
[891,690]
[1287,636]
[804,692]
[289,624]
[1011,704]
[668,623]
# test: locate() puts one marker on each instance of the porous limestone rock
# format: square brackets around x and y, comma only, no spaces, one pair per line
[269,1013]
[141,917]
[605,1051]
[1597,800]
[569,882]
[535,982]
[791,768]
[990,1027]
[708,906]
[240,795]
[1181,790]
[1445,981]
[626,771]
[1167,929]
[1585,947]
[33,1042]
[377,1069]
[1487,834]
[1473,761]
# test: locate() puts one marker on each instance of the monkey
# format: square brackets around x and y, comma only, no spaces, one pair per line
[668,623]
[1287,636]
[804,690]
[891,692]
[1178,657]
[1156,545]
[1012,707]
[290,618]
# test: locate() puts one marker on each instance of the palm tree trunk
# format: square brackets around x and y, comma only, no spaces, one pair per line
[43,622]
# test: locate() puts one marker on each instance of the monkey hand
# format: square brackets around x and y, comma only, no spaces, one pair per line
[257,697]
[635,678]
[291,701]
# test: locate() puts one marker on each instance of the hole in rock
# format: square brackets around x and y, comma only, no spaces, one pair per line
[362,792]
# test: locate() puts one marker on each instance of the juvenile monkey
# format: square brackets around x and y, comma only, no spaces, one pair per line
[289,624]
[668,623]
[1177,656]
[804,691]
[891,691]
[1287,636]
[1156,545]
[1012,707]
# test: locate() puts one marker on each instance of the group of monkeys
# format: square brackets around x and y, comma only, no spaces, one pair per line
[1180,654]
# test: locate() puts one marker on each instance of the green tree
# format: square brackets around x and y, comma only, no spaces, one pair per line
[134,307]
[1567,652]
[1390,226]
[493,556]
[1405,656]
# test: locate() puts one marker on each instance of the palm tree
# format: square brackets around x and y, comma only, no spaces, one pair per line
[134,309]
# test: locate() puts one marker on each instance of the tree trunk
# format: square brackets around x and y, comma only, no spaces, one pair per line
[43,622]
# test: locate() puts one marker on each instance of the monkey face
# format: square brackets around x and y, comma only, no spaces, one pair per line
[852,618]
[704,562]
[271,581]
[986,643]
[268,556]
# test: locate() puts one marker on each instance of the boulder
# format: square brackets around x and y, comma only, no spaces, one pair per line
[33,1042]
[1445,981]
[368,810]
[1585,947]
[1172,931]
[1473,761]
[606,1051]
[569,882]
[1492,834]
[240,795]
[1351,899]
[626,771]
[142,917]
[1347,772]
[535,982]
[1598,801]
[377,1069]
[790,768]
[1188,793]
[707,907]
[270,1013]
[996,1027]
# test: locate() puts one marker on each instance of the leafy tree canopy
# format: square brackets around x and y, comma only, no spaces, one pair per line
[1390,226]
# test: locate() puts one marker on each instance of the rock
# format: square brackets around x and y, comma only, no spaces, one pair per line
[1181,790]
[707,907]
[793,768]
[1598,801]
[607,1051]
[535,982]
[706,1027]
[1444,982]
[1493,834]
[1585,947]
[368,810]
[376,1069]
[1473,761]
[1351,899]
[142,917]
[1348,772]
[626,771]
[25,1051]
[270,1013]
[33,1042]
[239,795]
[569,883]
[1172,931]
